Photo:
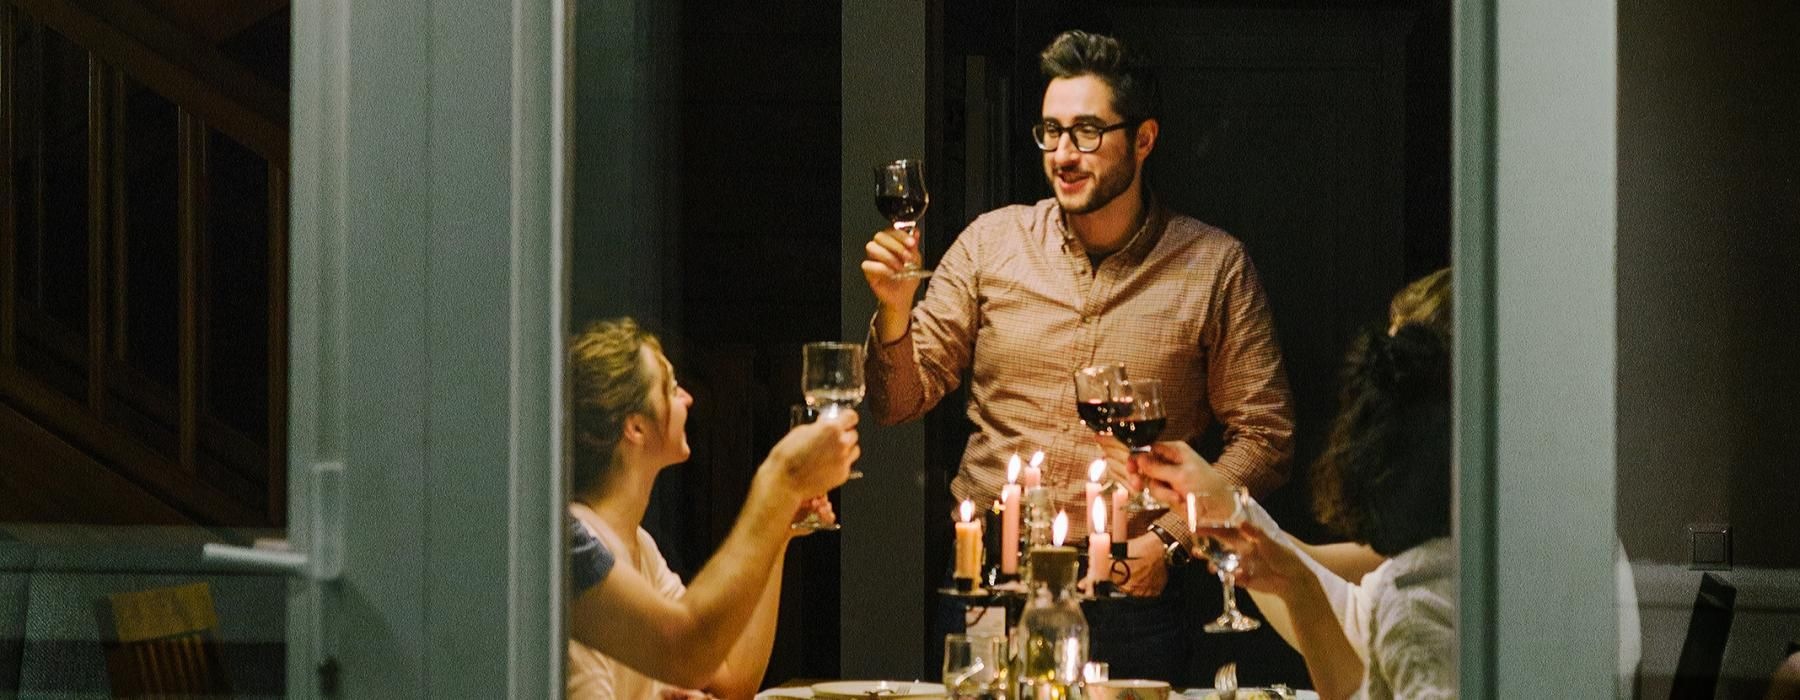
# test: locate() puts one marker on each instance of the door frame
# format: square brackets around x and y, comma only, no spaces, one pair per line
[1534,220]
[428,281]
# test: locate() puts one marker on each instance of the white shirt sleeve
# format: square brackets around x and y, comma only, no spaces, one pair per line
[1348,600]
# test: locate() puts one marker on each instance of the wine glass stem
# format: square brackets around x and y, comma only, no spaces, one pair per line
[1228,581]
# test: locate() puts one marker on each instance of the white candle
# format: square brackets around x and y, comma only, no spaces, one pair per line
[1099,543]
[1192,521]
[1009,520]
[968,544]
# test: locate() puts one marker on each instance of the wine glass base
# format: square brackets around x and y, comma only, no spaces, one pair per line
[912,274]
[1233,621]
[807,526]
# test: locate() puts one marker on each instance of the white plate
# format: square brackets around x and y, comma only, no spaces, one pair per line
[1207,694]
[772,693]
[857,690]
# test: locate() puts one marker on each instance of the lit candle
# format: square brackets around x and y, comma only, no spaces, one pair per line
[1034,477]
[1099,543]
[1009,520]
[1192,520]
[1096,469]
[1118,515]
[968,544]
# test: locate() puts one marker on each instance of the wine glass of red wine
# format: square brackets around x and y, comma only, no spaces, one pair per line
[1137,420]
[1139,425]
[1094,389]
[901,197]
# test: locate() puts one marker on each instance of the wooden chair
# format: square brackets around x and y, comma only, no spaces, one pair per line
[1697,673]
[167,644]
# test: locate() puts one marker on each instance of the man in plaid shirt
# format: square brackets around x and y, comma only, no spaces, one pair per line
[1100,272]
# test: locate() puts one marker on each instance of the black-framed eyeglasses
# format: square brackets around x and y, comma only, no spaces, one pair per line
[1087,136]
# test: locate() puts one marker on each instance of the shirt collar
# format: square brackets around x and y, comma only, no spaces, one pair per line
[1141,242]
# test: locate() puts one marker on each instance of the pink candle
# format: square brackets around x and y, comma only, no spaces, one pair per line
[1009,521]
[1118,512]
[1192,521]
[1096,470]
[1034,476]
[1099,543]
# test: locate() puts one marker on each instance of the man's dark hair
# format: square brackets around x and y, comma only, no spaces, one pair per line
[1384,478]
[1076,53]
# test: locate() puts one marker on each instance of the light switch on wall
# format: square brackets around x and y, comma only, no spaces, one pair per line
[1709,547]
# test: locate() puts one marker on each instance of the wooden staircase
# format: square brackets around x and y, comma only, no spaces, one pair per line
[143,261]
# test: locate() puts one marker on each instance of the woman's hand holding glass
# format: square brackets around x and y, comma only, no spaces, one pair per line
[815,458]
[1171,471]
[1264,564]
[812,516]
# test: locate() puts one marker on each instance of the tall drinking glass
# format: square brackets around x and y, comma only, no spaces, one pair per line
[901,197]
[1224,509]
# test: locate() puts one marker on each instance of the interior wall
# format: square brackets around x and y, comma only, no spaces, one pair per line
[705,196]
[1709,205]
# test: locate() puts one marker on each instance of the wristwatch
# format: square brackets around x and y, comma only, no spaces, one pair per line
[1174,553]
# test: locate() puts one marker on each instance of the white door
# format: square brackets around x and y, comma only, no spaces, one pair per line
[427,314]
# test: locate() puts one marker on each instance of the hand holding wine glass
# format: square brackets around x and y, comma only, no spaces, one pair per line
[900,196]
[1171,470]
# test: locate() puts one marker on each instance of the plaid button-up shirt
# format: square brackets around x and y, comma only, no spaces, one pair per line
[1016,301]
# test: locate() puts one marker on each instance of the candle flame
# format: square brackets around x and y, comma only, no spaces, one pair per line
[1096,469]
[1012,469]
[968,509]
[1037,458]
[1059,528]
[1097,513]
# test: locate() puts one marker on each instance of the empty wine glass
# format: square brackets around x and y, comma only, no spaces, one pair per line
[1224,509]
[901,197]
[832,376]
[973,665]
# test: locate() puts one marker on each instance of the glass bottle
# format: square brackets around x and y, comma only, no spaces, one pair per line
[1049,646]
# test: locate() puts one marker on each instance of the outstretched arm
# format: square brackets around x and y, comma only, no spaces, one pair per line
[1274,569]
[683,641]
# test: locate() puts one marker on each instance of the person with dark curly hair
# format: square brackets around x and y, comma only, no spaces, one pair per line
[1376,485]
[1383,481]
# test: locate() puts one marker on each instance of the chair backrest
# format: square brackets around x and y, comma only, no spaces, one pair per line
[1697,673]
[167,643]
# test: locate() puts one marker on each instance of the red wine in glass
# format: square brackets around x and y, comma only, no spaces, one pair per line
[901,208]
[900,196]
[1138,434]
[1096,415]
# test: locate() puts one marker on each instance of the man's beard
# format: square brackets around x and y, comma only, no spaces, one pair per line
[1107,186]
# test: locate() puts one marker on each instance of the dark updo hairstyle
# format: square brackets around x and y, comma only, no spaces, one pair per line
[1076,53]
[1384,479]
